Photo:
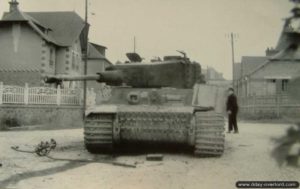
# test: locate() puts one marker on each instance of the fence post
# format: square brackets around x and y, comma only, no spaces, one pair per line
[277,105]
[81,99]
[26,92]
[253,104]
[93,97]
[1,92]
[58,99]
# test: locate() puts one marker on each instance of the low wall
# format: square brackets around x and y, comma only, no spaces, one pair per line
[48,116]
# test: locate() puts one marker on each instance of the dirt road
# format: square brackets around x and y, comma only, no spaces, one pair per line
[246,157]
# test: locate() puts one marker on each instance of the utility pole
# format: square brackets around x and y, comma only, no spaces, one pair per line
[232,55]
[232,38]
[85,57]
[134,44]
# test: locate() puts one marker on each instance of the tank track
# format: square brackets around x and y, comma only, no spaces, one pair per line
[98,133]
[209,134]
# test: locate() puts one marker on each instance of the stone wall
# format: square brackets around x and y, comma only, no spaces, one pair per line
[48,116]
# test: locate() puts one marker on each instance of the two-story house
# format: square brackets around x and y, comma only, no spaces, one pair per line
[36,43]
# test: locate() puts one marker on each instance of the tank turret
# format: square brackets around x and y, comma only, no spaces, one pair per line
[177,72]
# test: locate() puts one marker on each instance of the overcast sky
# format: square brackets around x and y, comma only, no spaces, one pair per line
[161,27]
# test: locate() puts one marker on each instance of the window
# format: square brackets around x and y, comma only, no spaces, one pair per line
[284,85]
[73,61]
[52,58]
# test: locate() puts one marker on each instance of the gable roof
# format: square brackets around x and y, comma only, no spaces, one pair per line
[248,65]
[62,33]
[18,16]
[278,70]
[66,30]
[97,46]
[94,53]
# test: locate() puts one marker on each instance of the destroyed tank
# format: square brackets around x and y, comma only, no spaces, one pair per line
[152,104]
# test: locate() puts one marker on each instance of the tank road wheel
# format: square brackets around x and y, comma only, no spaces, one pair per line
[209,134]
[98,133]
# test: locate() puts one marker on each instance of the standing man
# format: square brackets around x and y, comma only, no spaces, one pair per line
[232,110]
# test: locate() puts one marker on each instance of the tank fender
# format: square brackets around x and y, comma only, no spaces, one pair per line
[107,109]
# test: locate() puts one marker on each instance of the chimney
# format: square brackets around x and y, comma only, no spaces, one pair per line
[271,52]
[13,5]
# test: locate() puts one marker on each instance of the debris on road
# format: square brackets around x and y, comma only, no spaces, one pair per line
[44,148]
[154,157]
[16,148]
[124,164]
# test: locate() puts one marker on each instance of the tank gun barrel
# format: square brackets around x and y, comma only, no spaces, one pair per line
[113,77]
[58,78]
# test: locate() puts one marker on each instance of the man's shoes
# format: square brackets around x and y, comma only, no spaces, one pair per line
[236,132]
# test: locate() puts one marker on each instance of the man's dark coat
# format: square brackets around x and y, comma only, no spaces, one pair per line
[231,104]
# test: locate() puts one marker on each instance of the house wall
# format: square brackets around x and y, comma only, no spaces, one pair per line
[255,87]
[241,89]
[62,60]
[270,87]
[48,54]
[69,61]
[279,70]
[21,77]
[20,46]
[265,100]
[22,49]
[259,87]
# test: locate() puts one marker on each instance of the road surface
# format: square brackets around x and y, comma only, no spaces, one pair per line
[247,157]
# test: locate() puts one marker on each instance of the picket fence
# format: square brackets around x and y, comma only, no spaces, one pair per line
[268,105]
[44,95]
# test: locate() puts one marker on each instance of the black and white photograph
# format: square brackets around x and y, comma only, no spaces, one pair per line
[139,94]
